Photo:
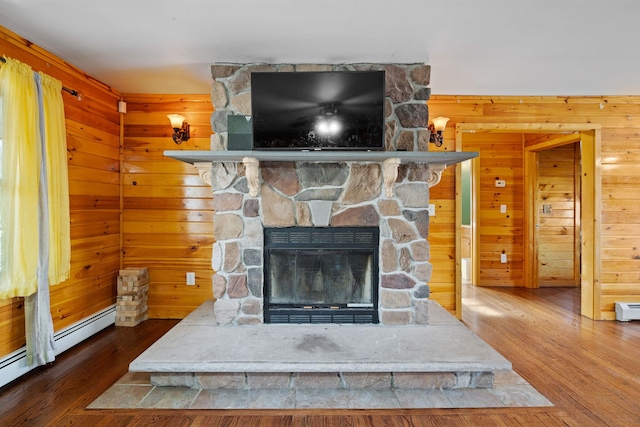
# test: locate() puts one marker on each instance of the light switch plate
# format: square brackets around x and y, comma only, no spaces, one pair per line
[501,183]
[432,209]
[191,278]
[503,208]
[503,258]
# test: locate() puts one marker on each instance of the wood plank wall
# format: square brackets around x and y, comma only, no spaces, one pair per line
[619,117]
[442,241]
[501,159]
[93,145]
[168,209]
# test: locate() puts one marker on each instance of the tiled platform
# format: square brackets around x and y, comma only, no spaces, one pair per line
[197,346]
[134,391]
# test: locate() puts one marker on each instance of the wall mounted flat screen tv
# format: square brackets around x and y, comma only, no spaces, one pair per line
[331,110]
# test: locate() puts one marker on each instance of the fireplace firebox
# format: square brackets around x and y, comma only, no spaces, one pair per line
[321,275]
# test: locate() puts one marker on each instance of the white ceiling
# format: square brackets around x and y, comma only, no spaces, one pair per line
[474,47]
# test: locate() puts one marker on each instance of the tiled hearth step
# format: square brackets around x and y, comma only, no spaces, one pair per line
[200,354]
[131,302]
[326,380]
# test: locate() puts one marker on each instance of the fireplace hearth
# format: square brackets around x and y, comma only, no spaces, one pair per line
[321,275]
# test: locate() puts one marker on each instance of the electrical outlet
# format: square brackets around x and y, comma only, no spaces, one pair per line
[501,183]
[191,278]
[503,258]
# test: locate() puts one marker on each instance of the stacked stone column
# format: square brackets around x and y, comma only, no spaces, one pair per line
[288,192]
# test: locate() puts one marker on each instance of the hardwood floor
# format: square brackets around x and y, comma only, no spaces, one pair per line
[590,370]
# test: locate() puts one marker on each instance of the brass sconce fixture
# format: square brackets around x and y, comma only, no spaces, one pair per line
[436,128]
[180,128]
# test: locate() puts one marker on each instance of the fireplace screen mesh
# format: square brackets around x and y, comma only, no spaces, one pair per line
[321,275]
[321,278]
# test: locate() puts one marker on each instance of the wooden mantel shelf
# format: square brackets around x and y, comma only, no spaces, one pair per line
[390,160]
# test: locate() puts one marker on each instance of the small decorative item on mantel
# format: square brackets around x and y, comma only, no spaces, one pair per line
[240,133]
[133,290]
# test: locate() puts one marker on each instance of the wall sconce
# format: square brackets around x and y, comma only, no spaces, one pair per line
[436,128]
[180,128]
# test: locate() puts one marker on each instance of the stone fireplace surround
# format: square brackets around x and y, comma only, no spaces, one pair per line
[418,348]
[335,194]
[351,192]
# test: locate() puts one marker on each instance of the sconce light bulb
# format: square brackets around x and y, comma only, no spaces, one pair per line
[176,120]
[440,123]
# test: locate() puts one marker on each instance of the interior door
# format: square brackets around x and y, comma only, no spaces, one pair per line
[557,216]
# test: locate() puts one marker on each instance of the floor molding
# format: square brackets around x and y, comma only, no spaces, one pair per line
[14,365]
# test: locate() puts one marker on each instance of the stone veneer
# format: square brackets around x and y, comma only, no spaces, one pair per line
[324,380]
[324,194]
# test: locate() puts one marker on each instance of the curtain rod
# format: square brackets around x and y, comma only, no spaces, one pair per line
[66,89]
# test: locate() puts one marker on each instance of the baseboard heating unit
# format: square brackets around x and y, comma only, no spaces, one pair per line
[15,365]
[626,311]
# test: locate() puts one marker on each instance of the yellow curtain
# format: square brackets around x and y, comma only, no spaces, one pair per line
[19,181]
[57,179]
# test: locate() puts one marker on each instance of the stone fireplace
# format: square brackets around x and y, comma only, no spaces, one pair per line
[308,193]
[359,224]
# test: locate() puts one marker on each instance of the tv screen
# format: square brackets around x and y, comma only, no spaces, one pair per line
[332,110]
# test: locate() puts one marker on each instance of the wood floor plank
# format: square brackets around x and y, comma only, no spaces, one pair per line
[588,369]
[580,364]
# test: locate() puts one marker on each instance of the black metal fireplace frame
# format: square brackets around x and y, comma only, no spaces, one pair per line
[319,239]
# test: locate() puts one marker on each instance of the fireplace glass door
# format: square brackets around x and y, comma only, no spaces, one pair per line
[321,278]
[321,275]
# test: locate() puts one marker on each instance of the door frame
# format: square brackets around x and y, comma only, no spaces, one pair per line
[591,206]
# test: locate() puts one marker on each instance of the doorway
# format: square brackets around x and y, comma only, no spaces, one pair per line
[554,209]
[540,137]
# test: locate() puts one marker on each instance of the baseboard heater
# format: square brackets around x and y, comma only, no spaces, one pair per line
[14,365]
[626,311]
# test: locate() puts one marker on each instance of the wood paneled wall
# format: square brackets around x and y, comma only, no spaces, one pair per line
[619,118]
[442,241]
[168,209]
[93,145]
[500,233]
